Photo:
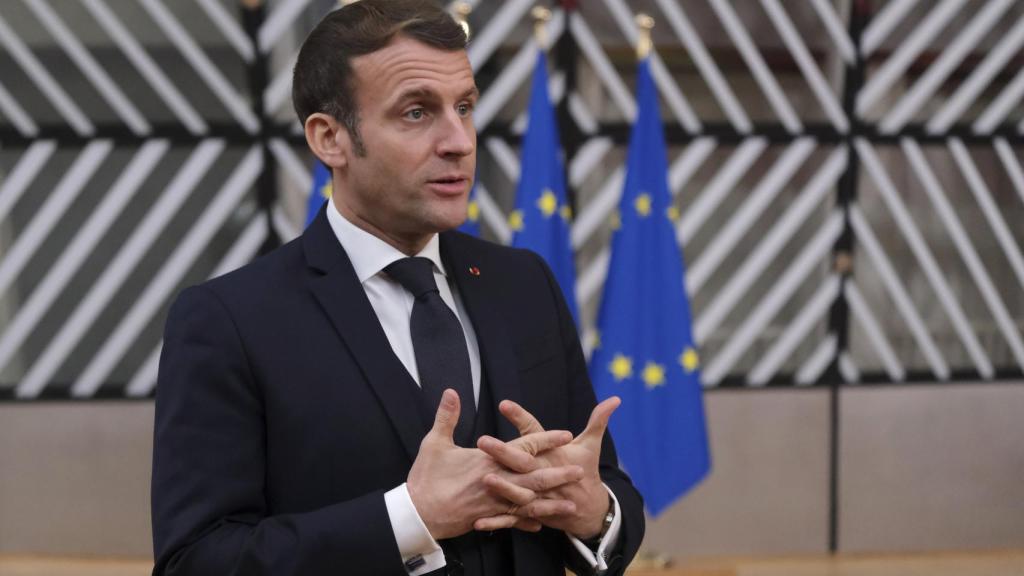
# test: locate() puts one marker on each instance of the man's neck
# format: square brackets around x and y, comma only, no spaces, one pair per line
[410,246]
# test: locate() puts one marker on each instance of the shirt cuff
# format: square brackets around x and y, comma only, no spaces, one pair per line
[420,552]
[598,559]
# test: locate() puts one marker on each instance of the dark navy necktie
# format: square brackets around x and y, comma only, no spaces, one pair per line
[438,341]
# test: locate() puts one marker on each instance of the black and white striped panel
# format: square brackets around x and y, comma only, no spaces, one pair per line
[148,144]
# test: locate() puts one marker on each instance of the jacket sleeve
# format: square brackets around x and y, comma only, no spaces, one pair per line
[209,509]
[581,402]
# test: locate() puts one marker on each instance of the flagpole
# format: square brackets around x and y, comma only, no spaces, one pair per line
[462,10]
[644,24]
[541,17]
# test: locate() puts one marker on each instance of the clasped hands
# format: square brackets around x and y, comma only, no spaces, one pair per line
[542,478]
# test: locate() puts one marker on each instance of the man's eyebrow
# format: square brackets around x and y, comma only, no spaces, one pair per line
[416,94]
[420,93]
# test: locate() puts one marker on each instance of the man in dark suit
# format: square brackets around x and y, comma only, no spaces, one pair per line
[317,410]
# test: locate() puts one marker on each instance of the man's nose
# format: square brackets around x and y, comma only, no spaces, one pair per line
[458,137]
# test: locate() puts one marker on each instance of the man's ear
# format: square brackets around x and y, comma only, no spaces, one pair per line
[328,139]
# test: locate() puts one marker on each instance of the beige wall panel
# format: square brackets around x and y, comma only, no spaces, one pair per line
[922,468]
[927,468]
[74,478]
[768,489]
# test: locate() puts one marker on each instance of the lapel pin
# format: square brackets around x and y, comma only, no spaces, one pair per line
[473,270]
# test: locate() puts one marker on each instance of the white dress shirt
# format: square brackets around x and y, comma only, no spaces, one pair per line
[393,305]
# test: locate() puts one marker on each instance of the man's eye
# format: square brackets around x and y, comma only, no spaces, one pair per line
[414,114]
[465,109]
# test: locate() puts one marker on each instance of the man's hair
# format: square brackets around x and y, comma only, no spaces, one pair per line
[323,80]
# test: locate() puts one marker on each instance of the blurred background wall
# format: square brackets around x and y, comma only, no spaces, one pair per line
[852,198]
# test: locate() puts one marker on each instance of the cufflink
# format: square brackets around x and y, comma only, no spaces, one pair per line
[414,562]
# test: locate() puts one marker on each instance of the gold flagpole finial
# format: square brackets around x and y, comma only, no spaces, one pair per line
[644,24]
[541,17]
[462,11]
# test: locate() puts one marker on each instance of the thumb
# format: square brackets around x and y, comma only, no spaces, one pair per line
[598,422]
[447,416]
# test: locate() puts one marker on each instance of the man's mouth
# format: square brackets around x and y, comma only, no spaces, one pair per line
[449,179]
[449,185]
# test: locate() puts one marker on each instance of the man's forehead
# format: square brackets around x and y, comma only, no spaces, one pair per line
[405,55]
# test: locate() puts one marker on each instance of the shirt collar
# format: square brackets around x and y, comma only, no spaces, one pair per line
[368,253]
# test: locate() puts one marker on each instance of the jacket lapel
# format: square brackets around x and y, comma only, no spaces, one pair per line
[478,291]
[337,289]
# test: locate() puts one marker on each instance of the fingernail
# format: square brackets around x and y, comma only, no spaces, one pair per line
[448,398]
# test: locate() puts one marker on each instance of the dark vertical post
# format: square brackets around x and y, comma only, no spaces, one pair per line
[253,14]
[565,54]
[842,254]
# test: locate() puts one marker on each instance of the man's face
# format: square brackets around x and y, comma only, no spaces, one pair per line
[415,117]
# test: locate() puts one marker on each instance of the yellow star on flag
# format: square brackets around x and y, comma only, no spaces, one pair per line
[643,205]
[689,360]
[653,375]
[621,367]
[566,212]
[327,189]
[673,213]
[515,220]
[616,220]
[473,211]
[547,203]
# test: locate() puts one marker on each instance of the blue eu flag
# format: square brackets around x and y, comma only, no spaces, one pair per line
[472,224]
[321,191]
[646,353]
[542,214]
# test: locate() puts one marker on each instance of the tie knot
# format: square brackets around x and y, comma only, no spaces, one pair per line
[415,274]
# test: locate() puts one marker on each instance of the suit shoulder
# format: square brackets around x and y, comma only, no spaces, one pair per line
[262,278]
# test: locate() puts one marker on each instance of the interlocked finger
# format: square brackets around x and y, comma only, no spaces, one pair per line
[507,521]
[495,523]
[536,442]
[543,508]
[518,455]
[506,490]
[546,479]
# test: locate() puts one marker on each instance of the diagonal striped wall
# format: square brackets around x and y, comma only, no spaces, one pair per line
[848,174]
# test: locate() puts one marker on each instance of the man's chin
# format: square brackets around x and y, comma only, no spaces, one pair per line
[451,225]
[452,217]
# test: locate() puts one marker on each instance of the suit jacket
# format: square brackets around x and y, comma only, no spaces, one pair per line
[283,415]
